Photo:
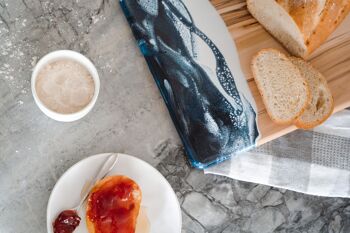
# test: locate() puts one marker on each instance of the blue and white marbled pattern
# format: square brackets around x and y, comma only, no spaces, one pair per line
[211,126]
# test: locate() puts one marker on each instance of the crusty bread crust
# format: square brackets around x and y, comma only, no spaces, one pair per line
[277,120]
[333,14]
[315,20]
[312,124]
[304,13]
[288,33]
[89,223]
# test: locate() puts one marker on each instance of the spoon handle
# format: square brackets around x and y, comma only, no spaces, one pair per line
[106,167]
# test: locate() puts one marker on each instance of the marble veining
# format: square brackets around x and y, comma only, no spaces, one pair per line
[35,150]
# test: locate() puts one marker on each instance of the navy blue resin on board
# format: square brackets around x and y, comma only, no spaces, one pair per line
[211,128]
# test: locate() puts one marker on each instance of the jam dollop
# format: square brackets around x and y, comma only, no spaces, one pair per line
[66,222]
[114,205]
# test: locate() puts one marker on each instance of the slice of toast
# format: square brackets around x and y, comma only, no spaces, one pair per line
[113,205]
[322,104]
[284,90]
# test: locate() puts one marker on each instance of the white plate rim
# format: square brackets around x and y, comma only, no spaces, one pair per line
[49,224]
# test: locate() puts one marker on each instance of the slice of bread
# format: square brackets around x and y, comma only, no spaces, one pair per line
[284,90]
[322,104]
[113,205]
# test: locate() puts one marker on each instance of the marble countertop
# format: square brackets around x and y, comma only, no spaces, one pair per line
[129,117]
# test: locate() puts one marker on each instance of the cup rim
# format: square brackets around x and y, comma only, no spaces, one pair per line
[77,57]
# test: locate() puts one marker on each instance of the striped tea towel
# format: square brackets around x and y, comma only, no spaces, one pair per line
[314,162]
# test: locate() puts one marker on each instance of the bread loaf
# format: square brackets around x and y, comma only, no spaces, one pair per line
[301,26]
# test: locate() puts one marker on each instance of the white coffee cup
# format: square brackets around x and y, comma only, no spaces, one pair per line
[61,55]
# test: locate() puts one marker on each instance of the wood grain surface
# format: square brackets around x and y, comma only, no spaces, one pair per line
[332,59]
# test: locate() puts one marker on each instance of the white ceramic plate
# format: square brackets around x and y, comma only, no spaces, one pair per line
[158,198]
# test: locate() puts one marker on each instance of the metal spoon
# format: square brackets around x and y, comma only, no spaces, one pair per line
[68,220]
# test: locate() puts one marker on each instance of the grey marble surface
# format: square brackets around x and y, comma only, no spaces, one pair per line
[129,117]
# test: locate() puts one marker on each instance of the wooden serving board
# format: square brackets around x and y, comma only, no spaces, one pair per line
[332,59]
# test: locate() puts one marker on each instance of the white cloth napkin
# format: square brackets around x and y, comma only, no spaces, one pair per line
[314,162]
